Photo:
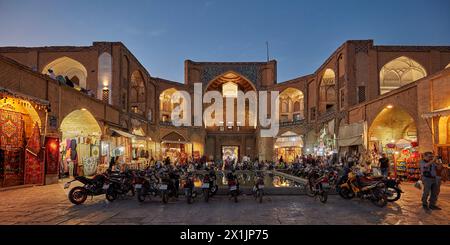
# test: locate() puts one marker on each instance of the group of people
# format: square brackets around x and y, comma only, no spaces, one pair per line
[433,171]
[65,80]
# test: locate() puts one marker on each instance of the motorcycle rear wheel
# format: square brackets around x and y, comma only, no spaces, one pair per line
[77,195]
[309,191]
[259,196]
[393,194]
[379,199]
[140,195]
[323,196]
[165,197]
[206,195]
[111,195]
[346,193]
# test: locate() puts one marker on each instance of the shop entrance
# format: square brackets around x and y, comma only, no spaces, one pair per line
[394,132]
[288,147]
[20,141]
[174,146]
[230,153]
[80,145]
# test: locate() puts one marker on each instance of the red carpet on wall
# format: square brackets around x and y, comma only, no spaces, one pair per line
[11,130]
[34,167]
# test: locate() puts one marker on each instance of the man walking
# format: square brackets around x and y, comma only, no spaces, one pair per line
[384,165]
[430,185]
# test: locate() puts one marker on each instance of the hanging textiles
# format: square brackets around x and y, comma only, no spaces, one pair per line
[11,130]
[13,168]
[52,155]
[34,168]
[11,142]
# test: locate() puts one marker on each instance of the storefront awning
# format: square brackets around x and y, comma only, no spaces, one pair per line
[351,134]
[437,113]
[122,133]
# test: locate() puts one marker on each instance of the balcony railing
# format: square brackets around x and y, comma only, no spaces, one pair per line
[291,123]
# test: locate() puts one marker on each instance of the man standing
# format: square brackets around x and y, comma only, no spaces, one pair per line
[384,165]
[430,185]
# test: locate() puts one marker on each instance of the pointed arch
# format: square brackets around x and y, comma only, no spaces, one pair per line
[69,67]
[327,91]
[399,72]
[137,92]
[292,103]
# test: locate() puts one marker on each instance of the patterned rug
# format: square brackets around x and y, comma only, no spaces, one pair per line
[34,168]
[11,130]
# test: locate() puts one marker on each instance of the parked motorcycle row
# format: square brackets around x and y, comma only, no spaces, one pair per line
[351,183]
[164,183]
[168,182]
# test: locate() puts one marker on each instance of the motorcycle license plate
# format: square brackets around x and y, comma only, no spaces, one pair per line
[325,185]
[260,186]
[105,186]
[205,186]
[138,186]
[163,187]
[66,185]
[233,188]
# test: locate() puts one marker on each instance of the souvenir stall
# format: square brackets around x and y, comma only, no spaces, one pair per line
[174,146]
[21,153]
[403,158]
[139,153]
[80,144]
[326,142]
[406,160]
[120,145]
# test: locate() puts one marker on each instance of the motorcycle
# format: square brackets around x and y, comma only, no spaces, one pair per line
[372,190]
[209,186]
[392,189]
[258,188]
[233,187]
[145,184]
[189,186]
[91,187]
[318,184]
[169,185]
[120,184]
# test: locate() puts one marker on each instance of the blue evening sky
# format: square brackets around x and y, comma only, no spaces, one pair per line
[162,34]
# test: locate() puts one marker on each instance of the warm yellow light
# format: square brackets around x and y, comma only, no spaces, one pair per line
[390,106]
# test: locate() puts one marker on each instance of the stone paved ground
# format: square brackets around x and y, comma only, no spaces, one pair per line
[49,205]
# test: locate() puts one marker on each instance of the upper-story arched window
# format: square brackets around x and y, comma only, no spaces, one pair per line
[327,91]
[399,72]
[137,93]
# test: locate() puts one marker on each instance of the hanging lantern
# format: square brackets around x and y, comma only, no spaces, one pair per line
[390,145]
[414,144]
[405,152]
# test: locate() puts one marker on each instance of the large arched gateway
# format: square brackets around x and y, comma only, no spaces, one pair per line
[394,133]
[80,144]
[232,137]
